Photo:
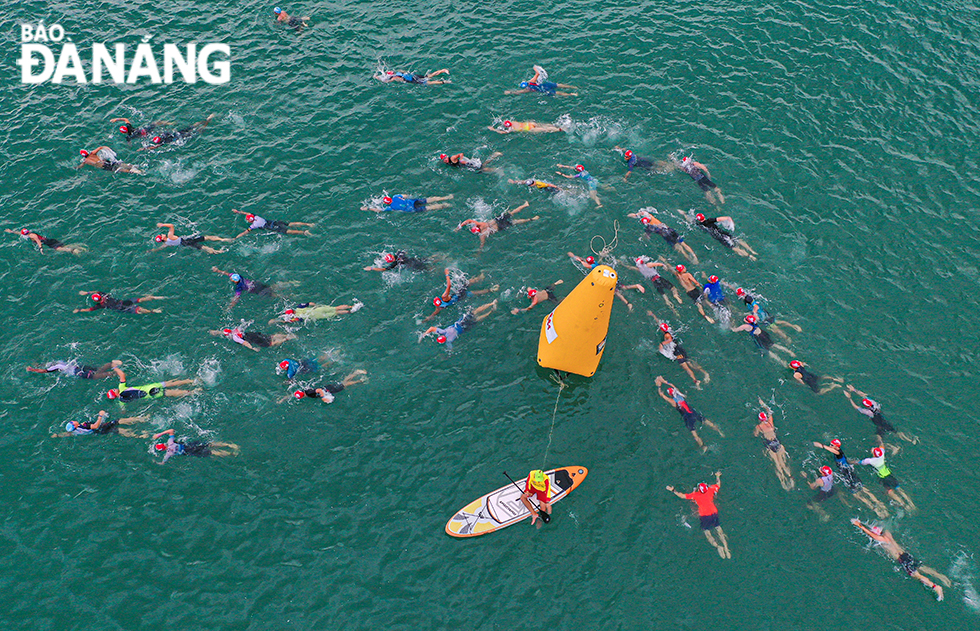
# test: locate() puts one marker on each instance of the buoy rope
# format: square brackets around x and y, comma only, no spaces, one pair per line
[606,248]
[561,386]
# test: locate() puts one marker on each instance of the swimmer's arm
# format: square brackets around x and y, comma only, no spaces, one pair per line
[117,120]
[822,446]
[665,397]
[218,271]
[247,230]
[170,226]
[36,240]
[166,432]
[570,177]
[429,331]
[497,130]
[323,395]
[465,222]
[741,327]
[675,492]
[374,210]
[766,407]
[86,309]
[234,301]
[98,420]
[432,315]
[119,373]
[853,405]
[702,167]
[162,247]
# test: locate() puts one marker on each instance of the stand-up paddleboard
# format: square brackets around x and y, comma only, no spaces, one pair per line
[503,507]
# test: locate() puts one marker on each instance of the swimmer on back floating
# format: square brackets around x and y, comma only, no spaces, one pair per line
[585,176]
[295,22]
[282,227]
[42,242]
[652,225]
[325,392]
[539,83]
[170,137]
[449,334]
[498,224]
[410,204]
[538,296]
[106,159]
[131,132]
[389,76]
[474,164]
[72,369]
[453,295]
[530,127]
[194,241]
[102,300]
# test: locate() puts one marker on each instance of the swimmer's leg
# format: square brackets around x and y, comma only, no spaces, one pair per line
[438,199]
[518,221]
[796,328]
[690,373]
[177,382]
[685,250]
[352,379]
[566,86]
[828,388]
[818,510]
[867,498]
[305,233]
[906,501]
[925,569]
[103,372]
[908,437]
[595,197]
[724,541]
[180,393]
[783,349]
[132,420]
[279,338]
[697,366]
[677,296]
[698,440]
[717,546]
[204,123]
[145,310]
[566,94]
[235,449]
[293,224]
[701,311]
[429,75]
[211,250]
[714,427]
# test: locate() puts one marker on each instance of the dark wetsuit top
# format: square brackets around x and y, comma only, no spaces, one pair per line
[141,132]
[333,388]
[639,163]
[51,243]
[691,416]
[404,260]
[108,302]
[257,339]
[761,338]
[247,285]
[669,234]
[808,377]
[710,225]
[849,477]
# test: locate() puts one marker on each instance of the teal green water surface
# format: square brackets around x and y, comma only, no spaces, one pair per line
[844,137]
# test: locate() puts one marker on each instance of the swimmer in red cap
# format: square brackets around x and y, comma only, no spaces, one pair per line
[647,268]
[253,340]
[820,384]
[589,263]
[195,241]
[910,565]
[529,127]
[774,449]
[398,261]
[691,417]
[449,334]
[327,391]
[474,164]
[652,225]
[761,337]
[872,409]
[498,224]
[671,348]
[409,204]
[131,132]
[106,159]
[183,447]
[102,300]
[42,242]
[704,496]
[457,290]
[722,230]
[691,286]
[887,478]
[581,174]
[282,227]
[699,173]
[635,162]
[170,137]
[538,296]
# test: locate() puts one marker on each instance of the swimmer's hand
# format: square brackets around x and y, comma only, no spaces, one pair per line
[670,488]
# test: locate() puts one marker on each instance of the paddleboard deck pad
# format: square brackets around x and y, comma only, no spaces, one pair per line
[503,507]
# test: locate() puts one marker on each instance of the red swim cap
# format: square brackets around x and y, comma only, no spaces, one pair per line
[628,154]
[96,297]
[579,168]
[508,124]
[475,229]
[441,339]
[751,319]
[796,364]
[226,331]
[702,488]
[112,394]
[835,442]
[437,301]
[289,312]
[284,364]
[739,292]
[712,279]
[763,416]
[160,446]
[159,238]
[299,394]
[25,231]
[158,140]
[646,221]
[386,200]
[664,327]
[670,391]
[699,217]
[590,260]
[249,217]
[531,293]
[83,152]
[878,452]
[444,157]
[124,130]
[680,269]
[389,257]
[825,471]
[868,403]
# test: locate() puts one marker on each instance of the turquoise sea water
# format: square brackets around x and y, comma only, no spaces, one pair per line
[844,138]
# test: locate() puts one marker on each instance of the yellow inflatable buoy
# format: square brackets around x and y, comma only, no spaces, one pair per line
[573,336]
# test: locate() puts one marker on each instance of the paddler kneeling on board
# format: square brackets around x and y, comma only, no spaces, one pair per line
[537,484]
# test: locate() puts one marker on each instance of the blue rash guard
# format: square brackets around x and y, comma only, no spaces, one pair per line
[715,293]
[405,204]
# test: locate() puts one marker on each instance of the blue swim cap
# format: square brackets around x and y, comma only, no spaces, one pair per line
[69,426]
[523,84]
[235,278]
[277,10]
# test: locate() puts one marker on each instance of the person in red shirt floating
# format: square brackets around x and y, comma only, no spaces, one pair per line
[704,497]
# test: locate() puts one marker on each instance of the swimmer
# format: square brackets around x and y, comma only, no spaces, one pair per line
[872,409]
[127,393]
[170,137]
[410,204]
[716,297]
[194,241]
[539,83]
[774,449]
[106,159]
[699,173]
[282,227]
[586,177]
[670,348]
[103,300]
[762,338]
[648,269]
[910,565]
[537,485]
[824,482]
[325,393]
[293,367]
[41,242]
[72,369]
[297,23]
[635,162]
[449,334]
[131,132]
[812,381]
[652,225]
[498,224]
[411,77]
[538,184]
[103,425]
[452,296]
[589,262]
[401,260]
[246,286]
[888,480]
[474,164]
[311,312]
[756,308]
[184,447]
[851,480]
[530,127]
[692,288]
[252,340]
[704,496]
[721,230]
[692,418]
[538,296]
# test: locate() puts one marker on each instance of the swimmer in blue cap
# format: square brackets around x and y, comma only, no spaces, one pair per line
[246,286]
[288,20]
[103,425]
[539,83]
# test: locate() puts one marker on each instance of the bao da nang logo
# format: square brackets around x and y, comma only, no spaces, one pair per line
[39,63]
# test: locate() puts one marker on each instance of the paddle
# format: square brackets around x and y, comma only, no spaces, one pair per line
[545,517]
